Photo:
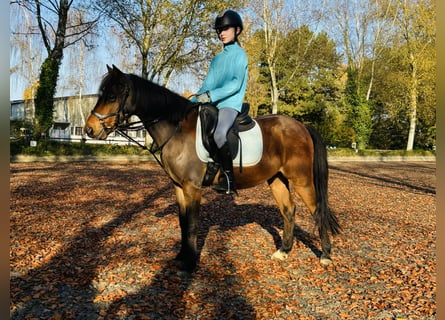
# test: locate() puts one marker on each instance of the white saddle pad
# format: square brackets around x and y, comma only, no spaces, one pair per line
[252,146]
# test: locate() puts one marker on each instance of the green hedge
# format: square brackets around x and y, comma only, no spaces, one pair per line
[348,152]
[48,148]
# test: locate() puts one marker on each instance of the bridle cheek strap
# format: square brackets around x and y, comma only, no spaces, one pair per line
[120,110]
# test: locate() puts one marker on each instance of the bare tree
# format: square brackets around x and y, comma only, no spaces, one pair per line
[76,66]
[269,15]
[365,28]
[383,29]
[271,18]
[416,22]
[169,35]
[277,18]
[24,57]
[351,19]
[57,32]
[362,27]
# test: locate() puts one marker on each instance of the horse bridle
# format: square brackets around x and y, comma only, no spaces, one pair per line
[120,111]
[120,127]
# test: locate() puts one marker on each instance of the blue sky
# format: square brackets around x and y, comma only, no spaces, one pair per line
[91,67]
[88,68]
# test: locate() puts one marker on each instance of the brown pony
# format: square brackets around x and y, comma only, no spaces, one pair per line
[293,154]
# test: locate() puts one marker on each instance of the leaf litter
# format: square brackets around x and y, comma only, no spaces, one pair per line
[96,240]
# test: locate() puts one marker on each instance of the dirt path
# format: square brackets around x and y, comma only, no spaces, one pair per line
[96,240]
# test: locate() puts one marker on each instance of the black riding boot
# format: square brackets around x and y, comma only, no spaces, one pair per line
[226,183]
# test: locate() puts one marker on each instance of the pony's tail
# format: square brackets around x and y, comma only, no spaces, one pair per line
[325,219]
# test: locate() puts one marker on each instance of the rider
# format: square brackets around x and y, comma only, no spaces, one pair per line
[225,87]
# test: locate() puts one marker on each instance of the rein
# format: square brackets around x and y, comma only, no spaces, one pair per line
[154,147]
[120,127]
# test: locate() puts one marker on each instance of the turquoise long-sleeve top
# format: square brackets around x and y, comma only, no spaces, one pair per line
[226,79]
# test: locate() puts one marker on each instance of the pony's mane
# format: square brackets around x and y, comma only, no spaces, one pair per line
[158,101]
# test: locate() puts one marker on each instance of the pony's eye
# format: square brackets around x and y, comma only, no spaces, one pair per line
[112,98]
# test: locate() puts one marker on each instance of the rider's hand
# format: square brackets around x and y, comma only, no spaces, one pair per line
[203,97]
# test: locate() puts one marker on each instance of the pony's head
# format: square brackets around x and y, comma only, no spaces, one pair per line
[122,95]
[113,105]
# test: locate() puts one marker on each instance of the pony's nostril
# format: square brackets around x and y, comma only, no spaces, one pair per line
[89,131]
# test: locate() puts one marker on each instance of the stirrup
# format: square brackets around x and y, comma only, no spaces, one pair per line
[225,186]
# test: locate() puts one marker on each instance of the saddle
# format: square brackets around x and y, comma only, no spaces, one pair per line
[209,118]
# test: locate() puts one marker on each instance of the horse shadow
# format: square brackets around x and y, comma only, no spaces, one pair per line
[173,296]
[165,297]
[268,217]
[63,286]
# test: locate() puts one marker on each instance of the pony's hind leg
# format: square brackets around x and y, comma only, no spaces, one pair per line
[308,195]
[280,190]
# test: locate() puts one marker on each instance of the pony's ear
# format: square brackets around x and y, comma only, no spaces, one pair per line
[109,68]
[116,69]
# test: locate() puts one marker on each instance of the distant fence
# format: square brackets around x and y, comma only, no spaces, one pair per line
[117,140]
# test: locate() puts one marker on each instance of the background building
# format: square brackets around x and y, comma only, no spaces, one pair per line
[70,114]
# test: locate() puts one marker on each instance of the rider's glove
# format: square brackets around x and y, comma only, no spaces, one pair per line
[203,97]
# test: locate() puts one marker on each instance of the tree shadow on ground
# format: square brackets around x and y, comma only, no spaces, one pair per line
[396,178]
[63,286]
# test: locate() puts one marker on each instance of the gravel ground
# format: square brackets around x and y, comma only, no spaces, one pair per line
[93,240]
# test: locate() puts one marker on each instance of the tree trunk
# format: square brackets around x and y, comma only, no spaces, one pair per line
[44,100]
[271,39]
[412,106]
[145,64]
[274,89]
[49,73]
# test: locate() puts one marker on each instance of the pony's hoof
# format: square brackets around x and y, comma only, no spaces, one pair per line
[280,256]
[325,261]
[183,274]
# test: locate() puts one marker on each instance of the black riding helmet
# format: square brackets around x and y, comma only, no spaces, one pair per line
[228,19]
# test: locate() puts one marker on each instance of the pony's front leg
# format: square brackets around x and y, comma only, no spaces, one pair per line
[189,200]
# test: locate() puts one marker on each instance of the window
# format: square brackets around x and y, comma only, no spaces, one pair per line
[78,131]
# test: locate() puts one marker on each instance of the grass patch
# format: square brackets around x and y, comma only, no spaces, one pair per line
[54,148]
[347,152]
